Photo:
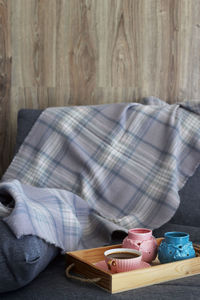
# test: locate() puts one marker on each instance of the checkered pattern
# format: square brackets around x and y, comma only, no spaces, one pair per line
[85,171]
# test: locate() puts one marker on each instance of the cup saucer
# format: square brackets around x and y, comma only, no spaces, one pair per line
[103,266]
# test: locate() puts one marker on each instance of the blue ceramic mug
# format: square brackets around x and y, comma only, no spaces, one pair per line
[175,246]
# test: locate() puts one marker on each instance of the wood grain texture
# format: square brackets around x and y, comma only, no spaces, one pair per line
[81,52]
[5,84]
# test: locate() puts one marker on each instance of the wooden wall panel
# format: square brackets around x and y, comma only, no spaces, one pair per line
[83,50]
[5,83]
[78,52]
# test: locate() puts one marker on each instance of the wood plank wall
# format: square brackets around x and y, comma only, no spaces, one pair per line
[75,52]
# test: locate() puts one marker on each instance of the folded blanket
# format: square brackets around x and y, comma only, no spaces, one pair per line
[85,171]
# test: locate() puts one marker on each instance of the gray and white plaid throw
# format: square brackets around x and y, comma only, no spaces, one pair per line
[85,171]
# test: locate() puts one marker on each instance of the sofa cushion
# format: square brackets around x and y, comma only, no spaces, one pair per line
[189,209]
[22,259]
[25,120]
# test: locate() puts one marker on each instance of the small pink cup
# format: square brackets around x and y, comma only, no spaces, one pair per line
[119,263]
[141,239]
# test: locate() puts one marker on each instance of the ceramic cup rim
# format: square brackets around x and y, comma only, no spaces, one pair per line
[176,234]
[140,230]
[129,250]
[140,233]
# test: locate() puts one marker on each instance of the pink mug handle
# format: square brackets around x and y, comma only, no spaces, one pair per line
[112,264]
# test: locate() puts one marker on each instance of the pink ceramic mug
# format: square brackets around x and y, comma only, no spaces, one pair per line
[122,259]
[141,239]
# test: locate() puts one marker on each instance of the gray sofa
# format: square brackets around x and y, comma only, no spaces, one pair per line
[51,282]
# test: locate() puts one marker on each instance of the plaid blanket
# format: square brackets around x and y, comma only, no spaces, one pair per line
[86,171]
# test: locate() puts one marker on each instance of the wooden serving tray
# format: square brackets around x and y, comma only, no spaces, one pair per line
[82,262]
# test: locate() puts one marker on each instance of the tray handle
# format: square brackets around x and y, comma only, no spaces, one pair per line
[67,272]
[197,249]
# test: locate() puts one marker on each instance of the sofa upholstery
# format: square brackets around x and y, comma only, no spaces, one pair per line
[31,255]
[51,283]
